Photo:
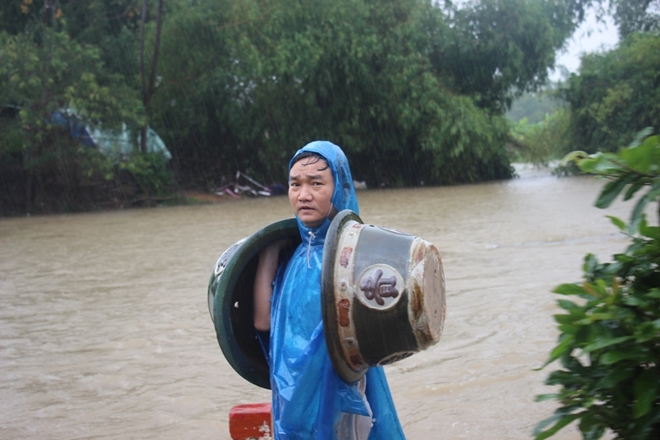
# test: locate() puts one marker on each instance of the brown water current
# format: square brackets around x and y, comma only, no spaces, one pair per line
[105,332]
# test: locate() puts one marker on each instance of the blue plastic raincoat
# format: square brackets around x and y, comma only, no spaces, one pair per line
[310,401]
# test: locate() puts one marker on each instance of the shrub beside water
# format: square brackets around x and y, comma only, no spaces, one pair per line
[609,343]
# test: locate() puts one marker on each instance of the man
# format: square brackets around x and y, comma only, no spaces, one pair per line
[310,401]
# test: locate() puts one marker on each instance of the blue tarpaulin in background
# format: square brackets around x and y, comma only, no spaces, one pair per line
[109,142]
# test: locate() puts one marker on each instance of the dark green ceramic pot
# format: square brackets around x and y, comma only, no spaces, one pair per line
[230,299]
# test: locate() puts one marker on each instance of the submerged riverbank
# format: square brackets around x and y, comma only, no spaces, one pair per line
[99,196]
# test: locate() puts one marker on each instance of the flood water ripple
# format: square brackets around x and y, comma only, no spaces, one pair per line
[106,333]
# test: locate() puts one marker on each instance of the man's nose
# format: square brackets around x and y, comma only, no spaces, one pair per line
[305,193]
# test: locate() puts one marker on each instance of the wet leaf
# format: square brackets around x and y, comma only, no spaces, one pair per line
[639,138]
[646,331]
[611,190]
[617,222]
[544,397]
[654,293]
[591,427]
[562,347]
[614,356]
[600,163]
[567,328]
[564,319]
[606,343]
[649,231]
[562,421]
[632,190]
[646,388]
[569,306]
[639,158]
[598,317]
[573,289]
[617,375]
[638,210]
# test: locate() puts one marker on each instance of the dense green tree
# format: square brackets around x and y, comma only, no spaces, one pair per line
[113,27]
[636,15]
[17,15]
[414,92]
[616,94]
[85,59]
[148,74]
[44,71]
[109,25]
[630,16]
[500,46]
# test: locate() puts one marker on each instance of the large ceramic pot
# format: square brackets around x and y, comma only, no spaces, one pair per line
[383,295]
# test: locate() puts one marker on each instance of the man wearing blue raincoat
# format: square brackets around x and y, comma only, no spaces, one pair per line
[310,401]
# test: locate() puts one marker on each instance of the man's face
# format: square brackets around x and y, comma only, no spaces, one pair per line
[310,189]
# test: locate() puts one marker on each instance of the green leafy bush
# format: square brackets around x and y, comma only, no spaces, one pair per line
[544,141]
[150,172]
[609,342]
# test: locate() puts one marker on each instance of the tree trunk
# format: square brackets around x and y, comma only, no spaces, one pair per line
[149,88]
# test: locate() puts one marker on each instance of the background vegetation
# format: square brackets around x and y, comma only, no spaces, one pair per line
[415,91]
[609,100]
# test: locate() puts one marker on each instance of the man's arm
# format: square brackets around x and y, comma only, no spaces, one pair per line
[263,284]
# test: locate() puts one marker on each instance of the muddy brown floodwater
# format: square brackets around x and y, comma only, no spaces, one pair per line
[105,332]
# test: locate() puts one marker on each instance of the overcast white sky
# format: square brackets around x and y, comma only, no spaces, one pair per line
[589,37]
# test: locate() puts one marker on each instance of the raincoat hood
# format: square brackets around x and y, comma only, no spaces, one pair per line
[343,197]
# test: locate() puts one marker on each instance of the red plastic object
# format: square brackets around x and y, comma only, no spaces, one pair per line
[251,421]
